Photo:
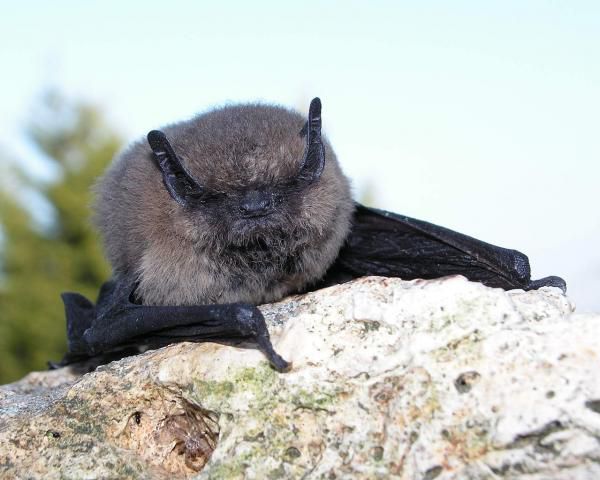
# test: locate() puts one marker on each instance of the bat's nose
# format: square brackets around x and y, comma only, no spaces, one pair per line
[256,204]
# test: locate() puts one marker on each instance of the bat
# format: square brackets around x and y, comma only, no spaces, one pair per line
[240,206]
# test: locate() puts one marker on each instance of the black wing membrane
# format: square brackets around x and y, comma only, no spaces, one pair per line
[393,245]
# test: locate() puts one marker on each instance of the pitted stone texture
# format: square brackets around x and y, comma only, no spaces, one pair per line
[443,379]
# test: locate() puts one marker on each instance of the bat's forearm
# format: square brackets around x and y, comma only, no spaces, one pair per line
[117,323]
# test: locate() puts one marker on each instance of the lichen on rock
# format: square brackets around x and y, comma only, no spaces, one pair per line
[442,379]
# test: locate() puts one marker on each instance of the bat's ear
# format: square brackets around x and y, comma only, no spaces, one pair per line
[180,184]
[314,155]
[304,130]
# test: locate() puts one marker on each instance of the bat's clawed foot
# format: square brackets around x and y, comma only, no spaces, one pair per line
[252,323]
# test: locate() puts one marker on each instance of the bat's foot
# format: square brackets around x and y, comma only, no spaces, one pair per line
[551,281]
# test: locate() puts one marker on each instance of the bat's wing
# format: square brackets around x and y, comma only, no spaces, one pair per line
[392,245]
[117,325]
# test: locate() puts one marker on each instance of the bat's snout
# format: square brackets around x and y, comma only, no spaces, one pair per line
[256,204]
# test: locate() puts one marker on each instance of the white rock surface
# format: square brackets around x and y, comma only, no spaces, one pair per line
[442,379]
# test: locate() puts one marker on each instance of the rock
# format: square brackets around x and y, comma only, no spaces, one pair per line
[442,379]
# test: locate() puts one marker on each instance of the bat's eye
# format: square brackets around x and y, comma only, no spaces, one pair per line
[205,197]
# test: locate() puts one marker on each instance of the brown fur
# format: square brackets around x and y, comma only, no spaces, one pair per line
[208,255]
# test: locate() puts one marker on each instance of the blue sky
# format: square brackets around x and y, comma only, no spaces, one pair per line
[480,116]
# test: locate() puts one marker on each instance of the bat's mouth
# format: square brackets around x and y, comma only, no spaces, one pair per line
[263,228]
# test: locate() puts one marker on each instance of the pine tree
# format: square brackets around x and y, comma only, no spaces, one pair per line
[39,262]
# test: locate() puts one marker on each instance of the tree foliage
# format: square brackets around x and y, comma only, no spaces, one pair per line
[40,261]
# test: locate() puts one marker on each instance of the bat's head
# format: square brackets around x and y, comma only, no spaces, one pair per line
[251,175]
[256,183]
